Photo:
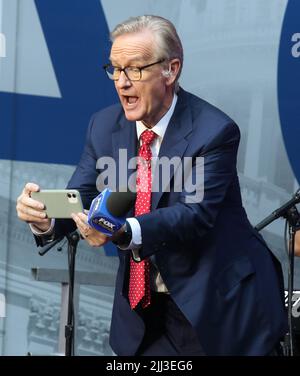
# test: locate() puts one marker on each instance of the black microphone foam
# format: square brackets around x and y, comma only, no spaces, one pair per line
[119,203]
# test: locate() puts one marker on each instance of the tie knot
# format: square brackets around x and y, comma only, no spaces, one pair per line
[148,137]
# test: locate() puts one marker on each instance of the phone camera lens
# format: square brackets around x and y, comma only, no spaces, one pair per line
[73,195]
[69,195]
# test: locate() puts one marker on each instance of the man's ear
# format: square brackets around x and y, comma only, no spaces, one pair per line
[173,71]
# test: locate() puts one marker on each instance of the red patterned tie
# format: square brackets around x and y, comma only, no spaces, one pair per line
[139,282]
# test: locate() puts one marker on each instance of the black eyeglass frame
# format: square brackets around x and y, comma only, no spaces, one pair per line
[110,76]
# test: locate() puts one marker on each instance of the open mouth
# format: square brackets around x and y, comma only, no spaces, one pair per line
[130,100]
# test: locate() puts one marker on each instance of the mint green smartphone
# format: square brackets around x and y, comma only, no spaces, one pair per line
[59,203]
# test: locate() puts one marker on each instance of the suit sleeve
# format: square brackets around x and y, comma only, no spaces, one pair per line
[181,223]
[84,180]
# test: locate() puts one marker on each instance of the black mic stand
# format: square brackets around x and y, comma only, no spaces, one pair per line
[73,239]
[291,214]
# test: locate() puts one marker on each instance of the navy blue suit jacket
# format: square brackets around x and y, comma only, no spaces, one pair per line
[217,268]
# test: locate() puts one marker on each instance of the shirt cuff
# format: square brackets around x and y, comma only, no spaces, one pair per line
[136,240]
[38,232]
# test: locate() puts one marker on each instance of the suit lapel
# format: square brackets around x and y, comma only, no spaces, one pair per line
[174,142]
[124,143]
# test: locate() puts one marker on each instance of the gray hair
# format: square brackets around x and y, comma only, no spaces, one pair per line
[168,43]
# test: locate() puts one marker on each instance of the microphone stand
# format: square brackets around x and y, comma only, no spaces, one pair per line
[73,239]
[291,214]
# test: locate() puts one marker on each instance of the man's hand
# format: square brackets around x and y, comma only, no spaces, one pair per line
[92,236]
[30,210]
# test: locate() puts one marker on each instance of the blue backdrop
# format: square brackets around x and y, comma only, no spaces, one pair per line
[44,129]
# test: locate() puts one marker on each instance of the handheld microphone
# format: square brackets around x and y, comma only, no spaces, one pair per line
[108,210]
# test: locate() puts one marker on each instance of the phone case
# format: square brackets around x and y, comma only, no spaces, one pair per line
[59,203]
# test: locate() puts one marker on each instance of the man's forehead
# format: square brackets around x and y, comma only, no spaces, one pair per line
[136,48]
[133,59]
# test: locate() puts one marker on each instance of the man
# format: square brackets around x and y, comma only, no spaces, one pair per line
[194,278]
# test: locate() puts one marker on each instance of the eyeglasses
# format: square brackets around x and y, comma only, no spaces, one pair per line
[132,73]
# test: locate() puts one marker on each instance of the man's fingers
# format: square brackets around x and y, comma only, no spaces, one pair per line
[31,187]
[81,223]
[82,216]
[30,210]
[31,215]
[28,201]
[93,237]
[32,219]
[27,213]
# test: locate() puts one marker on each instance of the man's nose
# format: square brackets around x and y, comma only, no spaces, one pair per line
[123,81]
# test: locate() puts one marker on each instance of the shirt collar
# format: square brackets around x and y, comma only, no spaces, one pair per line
[161,127]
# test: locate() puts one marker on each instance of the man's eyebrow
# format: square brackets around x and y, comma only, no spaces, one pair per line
[133,62]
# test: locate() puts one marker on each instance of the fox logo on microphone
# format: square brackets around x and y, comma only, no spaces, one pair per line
[105,223]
